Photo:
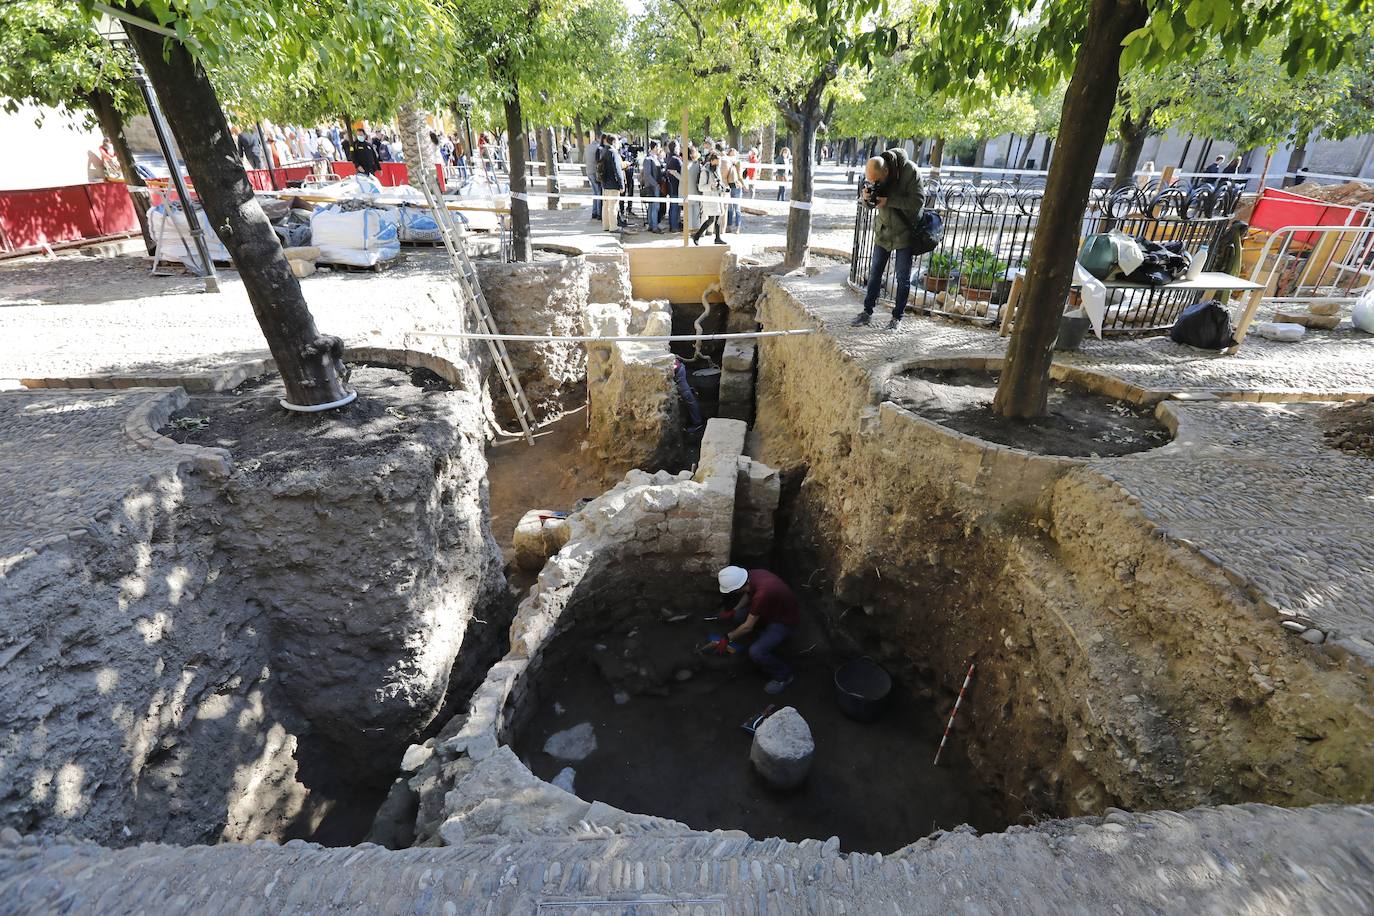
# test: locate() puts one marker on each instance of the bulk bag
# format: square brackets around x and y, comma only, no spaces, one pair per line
[358,237]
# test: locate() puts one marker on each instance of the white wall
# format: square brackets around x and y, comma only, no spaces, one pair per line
[57,153]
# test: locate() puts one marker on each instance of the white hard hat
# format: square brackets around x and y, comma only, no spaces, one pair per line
[732,579]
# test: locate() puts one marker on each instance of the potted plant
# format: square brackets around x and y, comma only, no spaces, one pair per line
[980,270]
[939,270]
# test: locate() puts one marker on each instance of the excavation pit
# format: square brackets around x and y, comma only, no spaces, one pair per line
[669,739]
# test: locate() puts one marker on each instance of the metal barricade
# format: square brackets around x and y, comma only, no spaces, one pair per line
[989,229]
[1329,264]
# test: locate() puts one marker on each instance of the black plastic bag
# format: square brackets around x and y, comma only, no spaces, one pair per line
[1206,325]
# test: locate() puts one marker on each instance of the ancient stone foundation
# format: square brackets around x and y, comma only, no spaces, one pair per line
[649,529]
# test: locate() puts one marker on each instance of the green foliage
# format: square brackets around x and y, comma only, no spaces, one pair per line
[1034,43]
[942,264]
[54,58]
[980,268]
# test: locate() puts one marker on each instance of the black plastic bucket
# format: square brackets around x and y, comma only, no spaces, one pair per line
[861,686]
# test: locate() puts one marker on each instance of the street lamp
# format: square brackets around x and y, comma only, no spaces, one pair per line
[112,30]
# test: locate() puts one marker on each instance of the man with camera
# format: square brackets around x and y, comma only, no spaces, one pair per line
[892,187]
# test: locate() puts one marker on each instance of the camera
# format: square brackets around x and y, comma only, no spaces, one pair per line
[869,192]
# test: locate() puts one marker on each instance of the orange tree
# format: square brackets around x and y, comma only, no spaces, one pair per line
[1033,43]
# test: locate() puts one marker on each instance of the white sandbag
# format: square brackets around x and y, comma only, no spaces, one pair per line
[352,187]
[357,237]
[1278,330]
[174,245]
[1363,315]
[418,225]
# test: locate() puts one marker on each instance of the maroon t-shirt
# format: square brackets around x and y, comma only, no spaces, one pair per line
[772,601]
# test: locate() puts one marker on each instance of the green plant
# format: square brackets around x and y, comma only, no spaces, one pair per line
[980,268]
[942,264]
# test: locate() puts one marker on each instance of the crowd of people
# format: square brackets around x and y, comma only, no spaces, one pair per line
[279,146]
[712,170]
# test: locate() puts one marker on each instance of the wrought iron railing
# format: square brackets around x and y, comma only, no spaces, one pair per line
[989,228]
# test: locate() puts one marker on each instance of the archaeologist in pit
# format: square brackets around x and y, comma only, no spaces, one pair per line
[762,599]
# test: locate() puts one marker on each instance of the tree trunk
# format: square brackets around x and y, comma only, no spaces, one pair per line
[581,140]
[731,128]
[1264,173]
[1045,153]
[770,144]
[937,156]
[541,152]
[519,147]
[802,120]
[417,148]
[1202,155]
[551,165]
[112,125]
[1026,150]
[309,362]
[1296,159]
[1085,118]
[980,156]
[1130,144]
[1183,156]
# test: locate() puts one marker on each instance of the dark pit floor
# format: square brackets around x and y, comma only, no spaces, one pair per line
[684,755]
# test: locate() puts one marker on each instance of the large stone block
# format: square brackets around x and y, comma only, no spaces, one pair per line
[782,749]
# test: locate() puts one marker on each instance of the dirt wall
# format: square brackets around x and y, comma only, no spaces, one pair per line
[545,296]
[1112,667]
[167,674]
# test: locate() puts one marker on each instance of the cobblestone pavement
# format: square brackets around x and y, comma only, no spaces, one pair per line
[64,458]
[1249,858]
[1252,486]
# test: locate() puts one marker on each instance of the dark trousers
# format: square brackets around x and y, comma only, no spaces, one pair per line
[901,267]
[689,397]
[763,652]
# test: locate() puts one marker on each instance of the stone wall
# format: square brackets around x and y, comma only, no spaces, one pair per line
[546,296]
[623,546]
[203,637]
[636,418]
[1114,666]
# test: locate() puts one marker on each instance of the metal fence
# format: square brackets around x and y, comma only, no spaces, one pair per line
[989,228]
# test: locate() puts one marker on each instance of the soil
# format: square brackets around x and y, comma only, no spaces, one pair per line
[1081,423]
[265,438]
[1350,428]
[677,749]
[553,473]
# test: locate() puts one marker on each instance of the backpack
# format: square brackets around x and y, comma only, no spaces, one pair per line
[926,232]
[1206,325]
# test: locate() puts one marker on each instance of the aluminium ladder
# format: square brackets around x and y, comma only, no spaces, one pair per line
[470,291]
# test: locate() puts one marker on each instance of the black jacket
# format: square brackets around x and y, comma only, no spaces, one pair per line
[364,157]
[607,166]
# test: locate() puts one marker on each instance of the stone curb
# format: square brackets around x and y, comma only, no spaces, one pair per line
[142,425]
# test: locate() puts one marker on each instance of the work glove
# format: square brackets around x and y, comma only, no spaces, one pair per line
[727,614]
[722,646]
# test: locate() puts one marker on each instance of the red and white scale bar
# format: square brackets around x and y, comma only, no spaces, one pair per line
[952,713]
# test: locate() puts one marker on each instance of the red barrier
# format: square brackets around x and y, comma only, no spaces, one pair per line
[49,216]
[1278,208]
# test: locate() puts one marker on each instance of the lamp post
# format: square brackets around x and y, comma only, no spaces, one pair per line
[465,103]
[112,30]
